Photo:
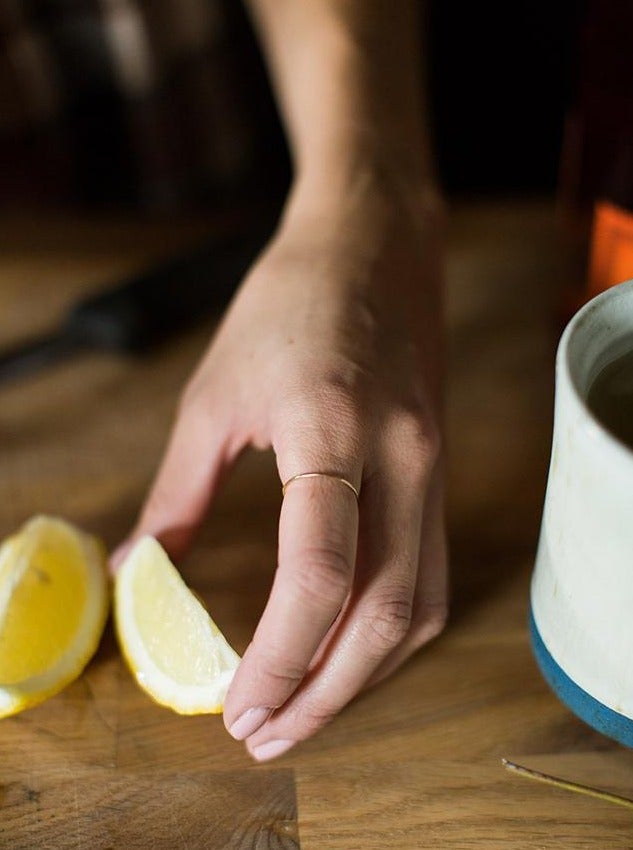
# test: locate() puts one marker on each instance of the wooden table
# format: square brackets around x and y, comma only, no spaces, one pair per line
[416,762]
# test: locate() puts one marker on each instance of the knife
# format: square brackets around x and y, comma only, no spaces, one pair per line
[138,314]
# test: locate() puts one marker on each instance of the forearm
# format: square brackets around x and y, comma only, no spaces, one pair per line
[348,81]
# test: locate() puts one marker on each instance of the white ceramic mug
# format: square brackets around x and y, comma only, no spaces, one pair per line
[582,587]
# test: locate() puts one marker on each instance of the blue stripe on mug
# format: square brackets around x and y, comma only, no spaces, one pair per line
[589,709]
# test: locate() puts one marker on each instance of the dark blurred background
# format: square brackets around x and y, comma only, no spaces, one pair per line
[188,120]
[501,78]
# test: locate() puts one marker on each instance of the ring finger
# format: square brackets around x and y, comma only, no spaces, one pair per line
[375,620]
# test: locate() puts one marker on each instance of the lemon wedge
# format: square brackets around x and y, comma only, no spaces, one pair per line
[174,649]
[53,608]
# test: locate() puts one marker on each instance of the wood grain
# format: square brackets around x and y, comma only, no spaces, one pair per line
[415,762]
[431,803]
[108,809]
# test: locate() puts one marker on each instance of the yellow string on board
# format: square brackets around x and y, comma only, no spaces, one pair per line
[576,787]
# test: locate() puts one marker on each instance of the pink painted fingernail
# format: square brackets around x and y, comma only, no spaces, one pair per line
[271,749]
[249,722]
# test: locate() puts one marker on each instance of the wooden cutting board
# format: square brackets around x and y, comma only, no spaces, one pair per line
[78,772]
[103,809]
[415,762]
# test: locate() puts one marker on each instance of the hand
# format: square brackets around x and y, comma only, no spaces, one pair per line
[329,354]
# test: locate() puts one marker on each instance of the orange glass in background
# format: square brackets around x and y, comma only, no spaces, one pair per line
[596,174]
[611,251]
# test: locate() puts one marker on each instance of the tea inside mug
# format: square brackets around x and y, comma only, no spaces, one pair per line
[610,397]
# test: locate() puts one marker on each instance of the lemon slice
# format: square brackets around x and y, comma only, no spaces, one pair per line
[53,607]
[172,646]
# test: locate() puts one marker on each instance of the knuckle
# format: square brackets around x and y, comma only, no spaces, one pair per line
[419,438]
[315,716]
[343,395]
[282,672]
[420,430]
[388,623]
[324,576]
[324,417]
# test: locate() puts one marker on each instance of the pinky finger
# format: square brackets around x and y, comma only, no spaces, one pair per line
[430,604]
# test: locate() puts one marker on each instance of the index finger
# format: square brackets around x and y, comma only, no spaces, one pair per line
[318,531]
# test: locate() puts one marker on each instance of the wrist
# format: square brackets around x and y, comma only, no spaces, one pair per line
[370,189]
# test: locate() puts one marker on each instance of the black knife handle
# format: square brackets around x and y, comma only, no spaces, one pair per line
[148,309]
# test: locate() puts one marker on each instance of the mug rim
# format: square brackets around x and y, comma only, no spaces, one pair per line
[622,450]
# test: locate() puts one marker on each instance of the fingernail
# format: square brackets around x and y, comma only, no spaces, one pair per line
[271,749]
[249,722]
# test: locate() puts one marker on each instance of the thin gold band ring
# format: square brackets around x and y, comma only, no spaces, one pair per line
[332,475]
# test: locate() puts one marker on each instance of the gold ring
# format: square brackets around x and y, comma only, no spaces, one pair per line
[332,475]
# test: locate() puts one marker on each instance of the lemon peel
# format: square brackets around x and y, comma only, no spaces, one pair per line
[174,649]
[54,603]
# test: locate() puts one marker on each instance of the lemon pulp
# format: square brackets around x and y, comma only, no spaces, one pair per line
[174,649]
[53,606]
